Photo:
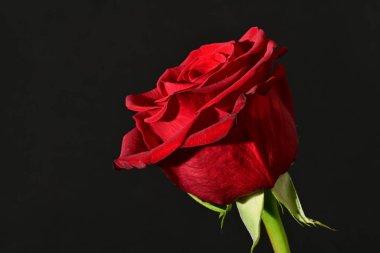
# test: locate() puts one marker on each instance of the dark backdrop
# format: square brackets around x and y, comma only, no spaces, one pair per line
[68,68]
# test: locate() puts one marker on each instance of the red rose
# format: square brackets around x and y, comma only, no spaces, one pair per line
[221,124]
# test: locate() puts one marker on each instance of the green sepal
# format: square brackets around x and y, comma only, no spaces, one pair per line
[224,215]
[250,210]
[222,212]
[285,193]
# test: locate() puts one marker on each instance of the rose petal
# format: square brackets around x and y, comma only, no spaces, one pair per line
[179,112]
[202,63]
[220,84]
[252,77]
[132,143]
[140,159]
[170,75]
[172,88]
[252,34]
[206,49]
[217,173]
[151,139]
[256,151]
[142,102]
[216,131]
[143,157]
[282,88]
[271,125]
[249,57]
[158,114]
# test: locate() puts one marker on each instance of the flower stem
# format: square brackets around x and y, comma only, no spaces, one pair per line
[273,224]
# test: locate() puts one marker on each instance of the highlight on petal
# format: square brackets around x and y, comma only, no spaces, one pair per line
[172,88]
[253,41]
[252,34]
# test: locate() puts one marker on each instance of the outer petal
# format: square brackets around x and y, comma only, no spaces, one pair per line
[218,173]
[281,87]
[270,121]
[251,157]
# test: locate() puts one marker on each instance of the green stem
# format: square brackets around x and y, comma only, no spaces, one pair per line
[273,224]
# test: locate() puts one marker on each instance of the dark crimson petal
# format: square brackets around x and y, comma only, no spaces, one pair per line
[218,173]
[278,76]
[281,86]
[142,102]
[251,157]
[269,120]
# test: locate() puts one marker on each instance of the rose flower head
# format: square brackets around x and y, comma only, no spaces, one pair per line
[221,124]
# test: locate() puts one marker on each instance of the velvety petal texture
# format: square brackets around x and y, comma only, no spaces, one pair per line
[221,124]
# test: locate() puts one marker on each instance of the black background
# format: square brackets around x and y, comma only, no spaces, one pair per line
[68,68]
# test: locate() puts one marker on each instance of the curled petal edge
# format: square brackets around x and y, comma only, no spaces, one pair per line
[133,140]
